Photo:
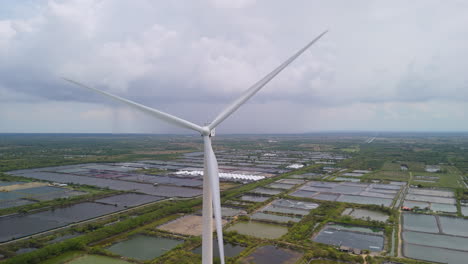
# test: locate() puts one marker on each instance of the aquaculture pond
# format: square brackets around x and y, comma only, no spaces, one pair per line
[14,203]
[164,180]
[431,199]
[5,183]
[271,254]
[454,226]
[447,208]
[291,181]
[284,210]
[143,247]
[77,212]
[23,225]
[274,218]
[412,204]
[284,186]
[364,214]
[364,200]
[129,199]
[347,179]
[308,176]
[435,254]
[254,198]
[231,212]
[354,237]
[167,191]
[428,243]
[96,259]
[420,222]
[230,250]
[267,191]
[261,230]
[442,193]
[303,194]
[295,204]
[436,240]
[464,210]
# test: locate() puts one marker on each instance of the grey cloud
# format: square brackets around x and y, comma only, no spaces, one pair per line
[169,54]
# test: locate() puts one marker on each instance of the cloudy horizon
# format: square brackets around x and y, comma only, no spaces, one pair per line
[384,66]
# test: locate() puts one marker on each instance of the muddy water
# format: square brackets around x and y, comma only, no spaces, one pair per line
[143,247]
[260,230]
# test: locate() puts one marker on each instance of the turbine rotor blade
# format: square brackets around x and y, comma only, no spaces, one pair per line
[156,113]
[258,85]
[212,170]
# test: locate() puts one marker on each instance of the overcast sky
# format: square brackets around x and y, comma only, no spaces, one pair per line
[384,65]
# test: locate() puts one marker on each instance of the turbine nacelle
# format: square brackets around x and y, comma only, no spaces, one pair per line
[207,131]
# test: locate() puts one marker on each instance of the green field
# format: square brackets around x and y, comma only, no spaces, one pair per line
[449,178]
[94,259]
[78,257]
[389,175]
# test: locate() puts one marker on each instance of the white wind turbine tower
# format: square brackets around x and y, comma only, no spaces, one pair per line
[211,193]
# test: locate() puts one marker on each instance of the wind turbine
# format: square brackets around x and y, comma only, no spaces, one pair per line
[211,193]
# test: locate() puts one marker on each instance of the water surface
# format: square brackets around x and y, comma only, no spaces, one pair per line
[261,230]
[143,247]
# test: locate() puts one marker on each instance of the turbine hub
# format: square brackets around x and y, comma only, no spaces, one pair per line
[207,132]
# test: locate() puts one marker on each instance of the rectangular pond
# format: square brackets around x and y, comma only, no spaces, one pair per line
[303,194]
[274,218]
[24,225]
[167,191]
[254,198]
[230,250]
[257,229]
[413,204]
[351,237]
[364,200]
[295,204]
[434,254]
[164,180]
[347,179]
[441,193]
[144,247]
[129,199]
[14,203]
[96,259]
[231,212]
[365,214]
[431,199]
[283,186]
[446,208]
[271,254]
[284,210]
[464,210]
[267,191]
[420,222]
[436,240]
[454,226]
[291,181]
[77,212]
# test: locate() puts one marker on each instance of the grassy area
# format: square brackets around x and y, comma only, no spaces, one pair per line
[392,166]
[95,259]
[64,257]
[449,178]
[351,149]
[416,166]
[152,171]
[389,175]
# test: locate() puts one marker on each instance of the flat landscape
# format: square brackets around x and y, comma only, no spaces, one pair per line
[289,199]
